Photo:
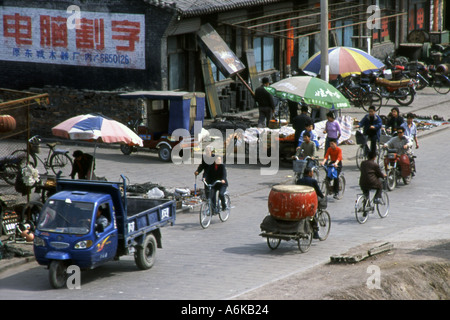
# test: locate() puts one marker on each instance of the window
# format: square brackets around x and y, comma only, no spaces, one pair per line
[263,48]
[176,63]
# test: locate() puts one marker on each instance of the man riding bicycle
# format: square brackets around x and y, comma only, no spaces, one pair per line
[370,177]
[217,171]
[371,124]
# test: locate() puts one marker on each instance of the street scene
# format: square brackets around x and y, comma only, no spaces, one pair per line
[236,151]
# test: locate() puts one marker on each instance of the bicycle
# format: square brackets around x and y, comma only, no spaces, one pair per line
[327,187]
[57,159]
[361,96]
[363,151]
[282,110]
[299,166]
[208,209]
[366,204]
[10,167]
[320,220]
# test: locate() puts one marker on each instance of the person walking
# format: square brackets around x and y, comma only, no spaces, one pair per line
[301,121]
[265,103]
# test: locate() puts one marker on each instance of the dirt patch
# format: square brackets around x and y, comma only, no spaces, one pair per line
[411,270]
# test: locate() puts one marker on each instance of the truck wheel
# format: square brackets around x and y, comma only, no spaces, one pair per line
[164,153]
[58,274]
[126,149]
[145,256]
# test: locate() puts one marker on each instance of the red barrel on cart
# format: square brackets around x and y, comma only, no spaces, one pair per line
[292,202]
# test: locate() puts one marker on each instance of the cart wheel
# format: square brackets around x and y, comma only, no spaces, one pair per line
[273,243]
[164,153]
[304,242]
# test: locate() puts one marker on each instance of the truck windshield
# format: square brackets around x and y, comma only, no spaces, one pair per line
[66,217]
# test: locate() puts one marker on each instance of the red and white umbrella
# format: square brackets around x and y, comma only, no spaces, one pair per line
[96,127]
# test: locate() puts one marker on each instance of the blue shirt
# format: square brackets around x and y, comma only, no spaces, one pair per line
[313,138]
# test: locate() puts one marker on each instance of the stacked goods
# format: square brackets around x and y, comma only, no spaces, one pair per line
[292,202]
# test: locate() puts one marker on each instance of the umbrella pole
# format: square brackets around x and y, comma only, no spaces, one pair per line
[93,161]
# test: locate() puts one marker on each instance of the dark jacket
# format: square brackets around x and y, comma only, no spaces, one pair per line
[264,98]
[395,123]
[308,181]
[299,123]
[216,172]
[366,122]
[370,174]
[82,166]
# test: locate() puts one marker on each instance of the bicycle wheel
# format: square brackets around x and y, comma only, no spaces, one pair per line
[304,242]
[61,162]
[407,96]
[32,161]
[273,243]
[9,173]
[383,207]
[325,186]
[360,155]
[224,214]
[371,99]
[341,189]
[381,153]
[324,223]
[205,215]
[361,212]
[441,84]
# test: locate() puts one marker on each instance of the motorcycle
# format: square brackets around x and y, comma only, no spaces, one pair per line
[397,167]
[402,91]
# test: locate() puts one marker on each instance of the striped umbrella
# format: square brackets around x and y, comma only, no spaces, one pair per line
[343,61]
[312,90]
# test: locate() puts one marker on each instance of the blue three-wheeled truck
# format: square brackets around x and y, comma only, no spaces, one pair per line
[87,223]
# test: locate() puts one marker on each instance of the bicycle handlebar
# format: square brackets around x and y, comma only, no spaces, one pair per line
[212,184]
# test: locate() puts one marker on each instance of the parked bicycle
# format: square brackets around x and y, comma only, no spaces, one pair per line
[281,111]
[10,167]
[360,95]
[208,208]
[327,185]
[56,160]
[438,79]
[365,204]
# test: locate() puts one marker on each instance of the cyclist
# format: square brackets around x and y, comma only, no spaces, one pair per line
[217,171]
[308,180]
[369,178]
[334,153]
[205,163]
[371,124]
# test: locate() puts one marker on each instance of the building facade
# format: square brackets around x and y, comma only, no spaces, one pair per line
[153,44]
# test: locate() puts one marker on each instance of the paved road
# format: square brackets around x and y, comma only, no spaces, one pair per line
[230,258]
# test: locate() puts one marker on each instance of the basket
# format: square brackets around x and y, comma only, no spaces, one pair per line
[384,138]
[35,148]
[360,138]
[299,165]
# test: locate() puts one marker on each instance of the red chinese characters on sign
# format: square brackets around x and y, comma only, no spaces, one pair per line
[53,31]
[420,18]
[18,27]
[91,34]
[127,31]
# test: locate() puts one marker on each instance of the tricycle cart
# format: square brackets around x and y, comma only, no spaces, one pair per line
[163,112]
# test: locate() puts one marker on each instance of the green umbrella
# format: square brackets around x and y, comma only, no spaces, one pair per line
[311,90]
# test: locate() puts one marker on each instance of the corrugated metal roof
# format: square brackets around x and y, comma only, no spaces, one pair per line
[201,7]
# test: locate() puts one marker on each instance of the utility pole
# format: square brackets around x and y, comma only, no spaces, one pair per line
[324,66]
